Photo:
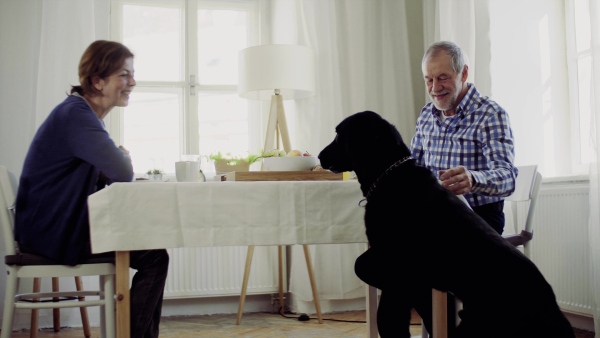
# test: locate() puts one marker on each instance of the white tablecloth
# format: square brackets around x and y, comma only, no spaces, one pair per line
[151,215]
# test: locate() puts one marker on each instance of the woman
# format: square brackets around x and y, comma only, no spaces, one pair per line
[72,156]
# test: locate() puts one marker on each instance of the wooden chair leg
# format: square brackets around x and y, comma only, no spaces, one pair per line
[85,321]
[33,327]
[55,312]
[440,313]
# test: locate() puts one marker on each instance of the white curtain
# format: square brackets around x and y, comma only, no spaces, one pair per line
[362,64]
[67,28]
[594,223]
[471,33]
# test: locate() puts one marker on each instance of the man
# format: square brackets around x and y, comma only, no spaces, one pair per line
[464,138]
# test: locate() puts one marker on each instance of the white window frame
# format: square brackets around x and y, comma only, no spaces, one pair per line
[189,134]
[573,56]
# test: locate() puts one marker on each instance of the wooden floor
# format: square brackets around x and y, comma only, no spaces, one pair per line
[256,325]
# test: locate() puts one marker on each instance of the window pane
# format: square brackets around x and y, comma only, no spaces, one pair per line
[584,82]
[154,35]
[223,124]
[152,129]
[582,25]
[221,35]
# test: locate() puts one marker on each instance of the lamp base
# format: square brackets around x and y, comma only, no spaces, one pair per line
[278,122]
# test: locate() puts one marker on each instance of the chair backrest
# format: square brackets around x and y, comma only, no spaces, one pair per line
[7,200]
[526,192]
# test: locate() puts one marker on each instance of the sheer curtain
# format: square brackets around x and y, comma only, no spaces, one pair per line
[63,29]
[471,33]
[594,223]
[363,63]
[67,28]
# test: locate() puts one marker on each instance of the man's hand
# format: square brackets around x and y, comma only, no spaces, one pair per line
[458,180]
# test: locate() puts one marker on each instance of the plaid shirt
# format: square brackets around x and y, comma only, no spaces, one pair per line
[478,137]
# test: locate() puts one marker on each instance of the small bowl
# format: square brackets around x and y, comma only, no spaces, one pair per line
[290,163]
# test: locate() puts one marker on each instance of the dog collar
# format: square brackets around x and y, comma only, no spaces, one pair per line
[387,171]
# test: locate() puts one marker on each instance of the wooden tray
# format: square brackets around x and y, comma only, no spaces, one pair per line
[282,176]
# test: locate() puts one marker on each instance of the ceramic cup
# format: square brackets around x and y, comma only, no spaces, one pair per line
[186,171]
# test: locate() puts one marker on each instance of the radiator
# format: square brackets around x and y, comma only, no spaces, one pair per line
[560,246]
[219,271]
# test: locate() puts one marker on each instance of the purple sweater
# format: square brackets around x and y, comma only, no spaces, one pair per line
[61,170]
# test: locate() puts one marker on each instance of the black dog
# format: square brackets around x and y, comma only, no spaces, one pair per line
[422,236]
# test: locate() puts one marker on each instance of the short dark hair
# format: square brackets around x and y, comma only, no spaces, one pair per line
[102,58]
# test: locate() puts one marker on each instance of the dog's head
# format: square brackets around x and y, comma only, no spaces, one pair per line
[363,140]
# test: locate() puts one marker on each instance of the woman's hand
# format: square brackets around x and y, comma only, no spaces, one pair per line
[125,151]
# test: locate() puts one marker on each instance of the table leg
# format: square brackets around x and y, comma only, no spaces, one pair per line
[245,283]
[313,284]
[440,313]
[122,292]
[372,312]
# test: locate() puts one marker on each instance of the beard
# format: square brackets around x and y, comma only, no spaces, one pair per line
[447,102]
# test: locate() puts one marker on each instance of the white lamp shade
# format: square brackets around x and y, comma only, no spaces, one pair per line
[289,68]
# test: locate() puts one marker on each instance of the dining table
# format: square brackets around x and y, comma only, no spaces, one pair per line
[146,215]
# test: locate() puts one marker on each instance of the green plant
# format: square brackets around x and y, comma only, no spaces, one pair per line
[154,172]
[250,158]
[233,159]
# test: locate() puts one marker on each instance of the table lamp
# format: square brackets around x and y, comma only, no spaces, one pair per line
[276,72]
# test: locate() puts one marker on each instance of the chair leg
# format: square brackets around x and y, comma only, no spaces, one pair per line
[83,310]
[12,284]
[55,312]
[107,317]
[33,327]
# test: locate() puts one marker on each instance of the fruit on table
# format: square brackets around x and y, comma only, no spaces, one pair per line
[294,153]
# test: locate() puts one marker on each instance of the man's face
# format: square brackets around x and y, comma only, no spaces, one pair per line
[444,85]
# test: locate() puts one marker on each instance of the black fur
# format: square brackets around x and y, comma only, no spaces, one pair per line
[421,237]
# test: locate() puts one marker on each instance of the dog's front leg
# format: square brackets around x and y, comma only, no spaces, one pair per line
[393,314]
[397,292]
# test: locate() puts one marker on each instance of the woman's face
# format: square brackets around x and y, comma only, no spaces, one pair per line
[117,87]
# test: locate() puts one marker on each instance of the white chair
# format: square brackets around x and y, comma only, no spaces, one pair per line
[519,207]
[24,265]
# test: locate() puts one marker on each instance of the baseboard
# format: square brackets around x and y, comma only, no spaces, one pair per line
[327,305]
[584,322]
[215,305]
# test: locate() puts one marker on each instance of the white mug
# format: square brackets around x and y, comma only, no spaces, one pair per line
[186,171]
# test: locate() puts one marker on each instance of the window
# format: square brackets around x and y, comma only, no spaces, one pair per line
[540,73]
[579,58]
[186,99]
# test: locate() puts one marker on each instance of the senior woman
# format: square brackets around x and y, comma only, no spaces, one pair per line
[72,156]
